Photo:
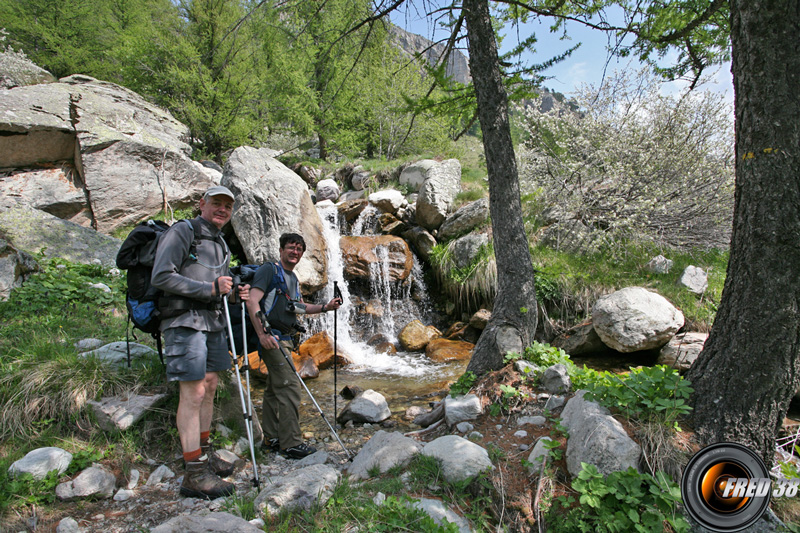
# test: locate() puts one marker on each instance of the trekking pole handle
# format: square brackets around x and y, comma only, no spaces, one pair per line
[237,281]
[336,292]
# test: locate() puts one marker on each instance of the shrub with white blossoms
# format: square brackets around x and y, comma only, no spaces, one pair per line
[636,164]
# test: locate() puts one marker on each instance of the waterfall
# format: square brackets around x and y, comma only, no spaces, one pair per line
[392,307]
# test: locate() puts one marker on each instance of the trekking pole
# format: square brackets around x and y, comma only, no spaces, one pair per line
[246,369]
[247,418]
[336,294]
[288,358]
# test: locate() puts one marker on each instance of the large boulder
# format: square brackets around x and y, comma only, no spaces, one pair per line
[465,219]
[301,489]
[460,459]
[465,249]
[363,254]
[34,231]
[272,200]
[127,155]
[633,319]
[388,201]
[438,193]
[216,522]
[383,451]
[414,175]
[597,438]
[39,462]
[16,70]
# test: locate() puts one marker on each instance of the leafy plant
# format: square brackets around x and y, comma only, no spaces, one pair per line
[621,501]
[464,384]
[649,393]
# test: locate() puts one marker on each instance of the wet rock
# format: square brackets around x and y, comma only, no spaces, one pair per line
[445,350]
[415,336]
[369,406]
[359,253]
[460,458]
[384,451]
[634,319]
[40,461]
[351,391]
[388,201]
[258,369]
[422,241]
[386,347]
[480,319]
[327,190]
[352,208]
[319,347]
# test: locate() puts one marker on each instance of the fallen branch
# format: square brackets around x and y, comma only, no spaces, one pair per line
[426,430]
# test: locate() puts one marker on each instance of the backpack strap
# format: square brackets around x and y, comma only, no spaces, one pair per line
[198,236]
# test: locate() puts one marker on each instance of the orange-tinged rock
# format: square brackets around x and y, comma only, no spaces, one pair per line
[415,336]
[258,369]
[445,350]
[360,252]
[319,347]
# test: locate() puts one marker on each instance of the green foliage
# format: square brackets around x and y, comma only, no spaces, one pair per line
[659,393]
[471,286]
[622,501]
[544,355]
[61,284]
[464,384]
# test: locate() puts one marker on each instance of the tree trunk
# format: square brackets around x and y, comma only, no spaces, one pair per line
[323,146]
[513,321]
[749,370]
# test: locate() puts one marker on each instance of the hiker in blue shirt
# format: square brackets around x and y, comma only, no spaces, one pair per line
[276,291]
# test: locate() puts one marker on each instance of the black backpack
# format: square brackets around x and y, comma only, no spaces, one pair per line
[137,255]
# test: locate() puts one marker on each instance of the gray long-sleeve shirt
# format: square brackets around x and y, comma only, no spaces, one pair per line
[174,272]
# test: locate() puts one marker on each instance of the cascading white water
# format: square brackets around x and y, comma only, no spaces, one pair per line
[394,310]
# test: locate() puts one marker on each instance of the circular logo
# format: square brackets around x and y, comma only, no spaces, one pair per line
[726,487]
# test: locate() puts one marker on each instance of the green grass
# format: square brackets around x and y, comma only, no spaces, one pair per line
[583,278]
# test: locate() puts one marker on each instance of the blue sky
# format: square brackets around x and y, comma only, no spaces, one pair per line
[587,65]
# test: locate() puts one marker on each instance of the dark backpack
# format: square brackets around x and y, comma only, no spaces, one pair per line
[243,274]
[137,255]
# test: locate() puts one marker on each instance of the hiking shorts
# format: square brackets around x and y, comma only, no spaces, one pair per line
[189,353]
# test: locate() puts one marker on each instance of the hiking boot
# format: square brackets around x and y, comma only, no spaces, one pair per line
[271,445]
[200,482]
[299,451]
[216,464]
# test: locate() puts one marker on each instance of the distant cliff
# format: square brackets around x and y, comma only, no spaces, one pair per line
[411,43]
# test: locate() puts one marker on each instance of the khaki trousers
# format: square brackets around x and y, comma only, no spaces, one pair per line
[279,412]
